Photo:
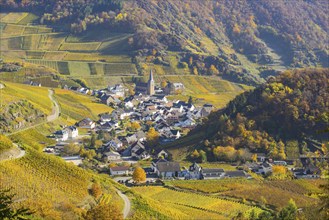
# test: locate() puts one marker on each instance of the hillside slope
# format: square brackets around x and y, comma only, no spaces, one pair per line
[292,107]
[235,39]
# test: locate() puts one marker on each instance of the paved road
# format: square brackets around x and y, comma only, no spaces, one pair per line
[127,207]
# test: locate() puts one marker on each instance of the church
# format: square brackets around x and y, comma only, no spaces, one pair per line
[146,88]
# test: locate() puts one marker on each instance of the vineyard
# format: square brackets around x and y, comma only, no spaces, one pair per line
[36,95]
[77,106]
[42,182]
[63,53]
[174,200]
[99,58]
[273,193]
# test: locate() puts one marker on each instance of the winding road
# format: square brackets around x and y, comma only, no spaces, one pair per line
[127,207]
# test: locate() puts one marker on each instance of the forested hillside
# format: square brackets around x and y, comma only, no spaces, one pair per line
[287,116]
[230,38]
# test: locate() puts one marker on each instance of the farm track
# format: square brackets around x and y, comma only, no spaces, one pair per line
[21,153]
[55,114]
[127,204]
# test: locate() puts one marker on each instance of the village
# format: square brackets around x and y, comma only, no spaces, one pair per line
[134,129]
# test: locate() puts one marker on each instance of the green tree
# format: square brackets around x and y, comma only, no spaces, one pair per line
[71,149]
[203,156]
[6,207]
[289,212]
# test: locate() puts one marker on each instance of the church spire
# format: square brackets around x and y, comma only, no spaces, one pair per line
[150,85]
[151,76]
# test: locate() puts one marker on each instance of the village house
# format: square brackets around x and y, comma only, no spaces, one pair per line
[155,161]
[87,123]
[194,172]
[167,169]
[138,151]
[236,174]
[61,135]
[114,144]
[76,160]
[119,171]
[112,156]
[72,132]
[118,90]
[212,173]
[206,110]
[174,88]
[162,153]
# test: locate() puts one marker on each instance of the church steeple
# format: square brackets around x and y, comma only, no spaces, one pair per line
[150,85]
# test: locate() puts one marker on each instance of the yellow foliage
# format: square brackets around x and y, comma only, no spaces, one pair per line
[5,143]
[254,157]
[236,29]
[152,137]
[139,175]
[135,125]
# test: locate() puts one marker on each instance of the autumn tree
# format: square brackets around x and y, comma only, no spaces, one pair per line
[139,175]
[104,212]
[213,70]
[279,172]
[152,137]
[96,190]
[164,84]
[112,165]
[195,155]
[254,157]
[135,126]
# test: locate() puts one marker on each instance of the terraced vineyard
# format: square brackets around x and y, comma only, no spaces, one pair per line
[65,54]
[100,58]
[188,203]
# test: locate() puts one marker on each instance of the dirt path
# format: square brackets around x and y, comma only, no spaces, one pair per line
[127,207]
[12,154]
[53,116]
[56,109]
